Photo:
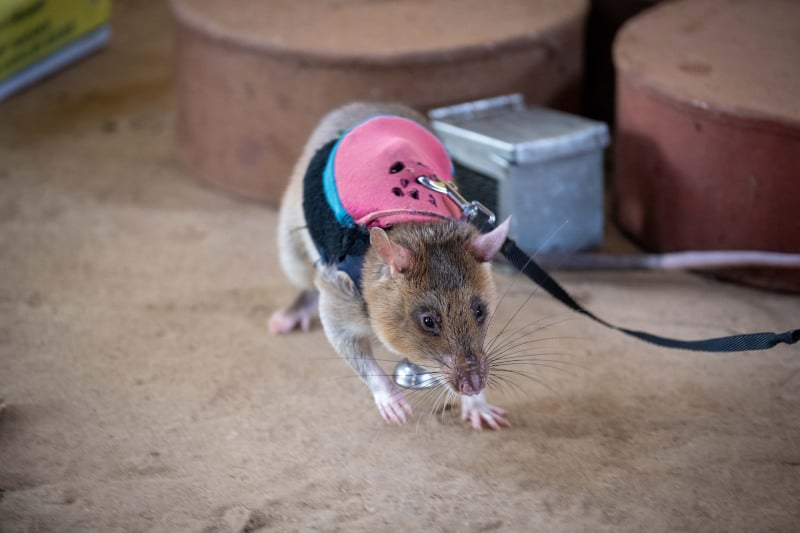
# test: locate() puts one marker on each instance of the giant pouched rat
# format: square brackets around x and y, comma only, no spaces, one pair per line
[424,288]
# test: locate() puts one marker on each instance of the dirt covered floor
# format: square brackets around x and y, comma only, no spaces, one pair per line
[142,391]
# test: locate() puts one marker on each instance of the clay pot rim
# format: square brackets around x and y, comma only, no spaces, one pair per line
[197,25]
[678,97]
[738,117]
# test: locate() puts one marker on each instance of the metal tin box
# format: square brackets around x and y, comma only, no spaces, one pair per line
[543,166]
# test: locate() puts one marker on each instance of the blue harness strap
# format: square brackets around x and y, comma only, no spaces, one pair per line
[338,243]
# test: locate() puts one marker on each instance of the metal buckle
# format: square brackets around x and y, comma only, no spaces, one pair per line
[472,211]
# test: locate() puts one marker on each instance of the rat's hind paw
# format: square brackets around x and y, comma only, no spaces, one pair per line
[283,321]
[393,406]
[299,314]
[477,411]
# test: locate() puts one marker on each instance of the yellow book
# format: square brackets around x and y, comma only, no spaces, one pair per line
[32,30]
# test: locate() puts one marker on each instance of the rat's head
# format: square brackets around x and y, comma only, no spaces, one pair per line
[430,294]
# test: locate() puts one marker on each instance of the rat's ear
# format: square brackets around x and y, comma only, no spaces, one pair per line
[399,258]
[486,245]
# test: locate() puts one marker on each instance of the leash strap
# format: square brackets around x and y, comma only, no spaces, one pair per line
[484,220]
[734,343]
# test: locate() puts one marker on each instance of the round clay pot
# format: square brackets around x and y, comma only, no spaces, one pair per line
[254,77]
[707,148]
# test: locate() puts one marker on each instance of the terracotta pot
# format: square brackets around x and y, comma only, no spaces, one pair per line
[253,81]
[708,130]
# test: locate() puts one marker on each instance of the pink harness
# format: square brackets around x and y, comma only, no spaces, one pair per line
[371,175]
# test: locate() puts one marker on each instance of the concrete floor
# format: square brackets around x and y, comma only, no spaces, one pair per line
[143,393]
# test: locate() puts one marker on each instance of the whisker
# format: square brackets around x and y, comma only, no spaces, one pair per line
[514,280]
[522,338]
[528,353]
[520,276]
[540,365]
[513,316]
[505,384]
[424,396]
[526,376]
[444,397]
[340,358]
[533,361]
[523,346]
[523,352]
[524,331]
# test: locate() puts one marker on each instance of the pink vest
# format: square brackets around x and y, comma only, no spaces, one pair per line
[371,175]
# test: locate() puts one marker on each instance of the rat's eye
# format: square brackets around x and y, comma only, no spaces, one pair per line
[478,310]
[431,322]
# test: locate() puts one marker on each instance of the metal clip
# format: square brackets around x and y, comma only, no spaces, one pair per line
[472,211]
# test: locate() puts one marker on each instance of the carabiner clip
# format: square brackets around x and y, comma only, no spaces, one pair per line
[471,211]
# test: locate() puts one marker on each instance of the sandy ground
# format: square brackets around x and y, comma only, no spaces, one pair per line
[143,393]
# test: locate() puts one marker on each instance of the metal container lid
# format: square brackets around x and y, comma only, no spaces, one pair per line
[511,133]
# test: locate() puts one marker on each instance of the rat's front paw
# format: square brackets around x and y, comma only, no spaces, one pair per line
[477,411]
[393,406]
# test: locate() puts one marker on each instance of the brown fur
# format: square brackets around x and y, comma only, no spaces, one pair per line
[443,276]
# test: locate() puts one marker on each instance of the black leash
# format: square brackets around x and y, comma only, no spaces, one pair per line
[734,343]
[484,220]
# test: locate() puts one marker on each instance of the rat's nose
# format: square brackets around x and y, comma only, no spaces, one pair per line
[471,374]
[472,383]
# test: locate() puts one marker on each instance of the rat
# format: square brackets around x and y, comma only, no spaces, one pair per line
[422,286]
